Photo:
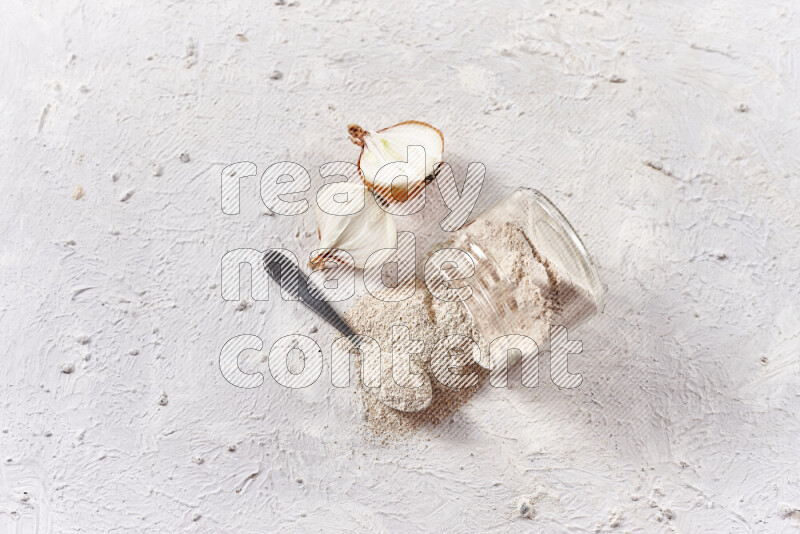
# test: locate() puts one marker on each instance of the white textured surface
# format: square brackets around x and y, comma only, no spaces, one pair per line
[690,395]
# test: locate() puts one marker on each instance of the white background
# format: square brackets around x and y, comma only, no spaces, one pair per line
[681,174]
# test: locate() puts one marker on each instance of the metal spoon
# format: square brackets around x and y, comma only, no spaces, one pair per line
[284,271]
[294,281]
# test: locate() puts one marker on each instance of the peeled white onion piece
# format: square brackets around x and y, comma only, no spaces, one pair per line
[389,145]
[361,233]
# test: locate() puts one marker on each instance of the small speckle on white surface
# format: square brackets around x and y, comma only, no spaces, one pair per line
[191,53]
[247,481]
[157,169]
[126,196]
[43,117]
[232,447]
[198,460]
[789,512]
[78,192]
[83,339]
[133,352]
[67,368]
[184,157]
[163,400]
[658,166]
[524,507]
[276,75]
[242,306]
[617,79]
[742,108]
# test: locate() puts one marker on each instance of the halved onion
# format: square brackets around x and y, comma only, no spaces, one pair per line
[389,145]
[359,234]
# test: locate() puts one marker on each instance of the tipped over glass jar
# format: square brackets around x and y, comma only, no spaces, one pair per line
[531,270]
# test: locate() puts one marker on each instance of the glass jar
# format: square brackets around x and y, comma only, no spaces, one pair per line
[531,270]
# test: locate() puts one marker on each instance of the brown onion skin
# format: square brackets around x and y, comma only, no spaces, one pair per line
[393,193]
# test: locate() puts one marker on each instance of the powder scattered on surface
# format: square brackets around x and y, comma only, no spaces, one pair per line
[77,192]
[429,319]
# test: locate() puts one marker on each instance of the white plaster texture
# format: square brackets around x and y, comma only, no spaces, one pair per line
[667,132]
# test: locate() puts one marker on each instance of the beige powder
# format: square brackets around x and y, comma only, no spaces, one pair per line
[429,320]
[527,294]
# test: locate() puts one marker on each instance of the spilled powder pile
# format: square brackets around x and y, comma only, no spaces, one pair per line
[515,291]
[429,319]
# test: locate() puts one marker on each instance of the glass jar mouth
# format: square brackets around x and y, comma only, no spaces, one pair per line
[570,237]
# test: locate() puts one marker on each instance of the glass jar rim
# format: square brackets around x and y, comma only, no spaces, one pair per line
[596,287]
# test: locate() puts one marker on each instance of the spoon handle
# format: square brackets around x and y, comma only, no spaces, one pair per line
[289,276]
[294,281]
